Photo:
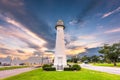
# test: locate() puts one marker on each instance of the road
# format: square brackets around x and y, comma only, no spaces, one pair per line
[8,73]
[112,70]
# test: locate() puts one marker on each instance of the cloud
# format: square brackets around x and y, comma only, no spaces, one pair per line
[4,51]
[69,39]
[110,13]
[80,43]
[75,50]
[24,29]
[17,14]
[2,56]
[20,51]
[16,36]
[13,2]
[19,31]
[73,45]
[77,43]
[23,32]
[112,31]
[10,52]
[87,37]
[73,22]
[90,52]
[85,11]
[14,6]
[94,44]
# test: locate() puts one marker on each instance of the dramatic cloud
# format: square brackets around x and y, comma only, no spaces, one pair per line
[110,13]
[91,5]
[94,44]
[73,22]
[27,32]
[75,50]
[4,52]
[20,51]
[87,37]
[90,52]
[69,39]
[28,20]
[27,27]
[112,31]
[25,38]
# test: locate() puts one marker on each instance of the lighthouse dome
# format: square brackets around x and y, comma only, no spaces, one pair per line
[60,23]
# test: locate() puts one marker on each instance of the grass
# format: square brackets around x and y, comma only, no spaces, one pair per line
[106,64]
[84,74]
[12,67]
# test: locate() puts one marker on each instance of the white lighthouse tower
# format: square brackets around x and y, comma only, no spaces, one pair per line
[60,56]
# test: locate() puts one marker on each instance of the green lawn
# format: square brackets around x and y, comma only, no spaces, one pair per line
[106,64]
[84,74]
[12,67]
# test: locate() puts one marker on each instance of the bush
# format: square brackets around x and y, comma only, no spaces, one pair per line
[68,69]
[76,67]
[49,69]
[72,68]
[46,65]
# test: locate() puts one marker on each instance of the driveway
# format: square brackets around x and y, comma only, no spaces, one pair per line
[112,70]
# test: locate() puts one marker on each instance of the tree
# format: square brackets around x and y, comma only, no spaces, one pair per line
[101,58]
[94,58]
[111,52]
[115,52]
[85,58]
[74,59]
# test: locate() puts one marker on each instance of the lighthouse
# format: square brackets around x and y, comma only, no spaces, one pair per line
[60,57]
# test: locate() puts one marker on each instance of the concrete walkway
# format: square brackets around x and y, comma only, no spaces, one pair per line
[8,73]
[112,70]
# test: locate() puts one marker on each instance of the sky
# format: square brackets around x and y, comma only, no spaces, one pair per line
[27,27]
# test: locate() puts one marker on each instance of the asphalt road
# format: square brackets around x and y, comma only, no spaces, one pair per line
[8,73]
[111,70]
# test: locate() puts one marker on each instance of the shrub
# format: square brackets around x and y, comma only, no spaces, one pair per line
[49,69]
[68,69]
[76,67]
[72,68]
[46,65]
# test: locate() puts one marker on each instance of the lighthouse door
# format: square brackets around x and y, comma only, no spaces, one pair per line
[60,65]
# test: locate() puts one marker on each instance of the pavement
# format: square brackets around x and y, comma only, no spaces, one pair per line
[8,73]
[111,70]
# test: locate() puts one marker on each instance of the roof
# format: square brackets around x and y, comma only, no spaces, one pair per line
[60,23]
